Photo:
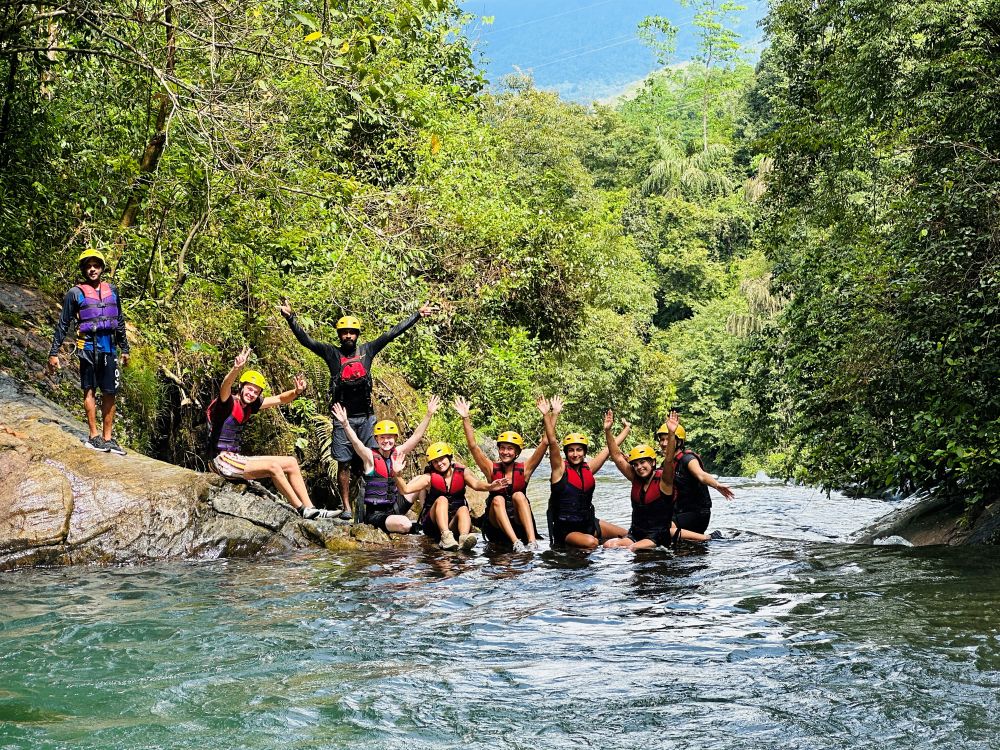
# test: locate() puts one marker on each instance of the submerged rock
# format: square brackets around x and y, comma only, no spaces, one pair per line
[62,503]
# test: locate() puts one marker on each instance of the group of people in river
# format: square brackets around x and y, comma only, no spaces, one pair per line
[670,499]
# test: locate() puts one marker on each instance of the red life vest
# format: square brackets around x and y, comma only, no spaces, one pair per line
[517,481]
[652,493]
[652,511]
[439,488]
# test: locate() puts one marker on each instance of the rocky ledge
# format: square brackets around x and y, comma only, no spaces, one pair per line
[63,504]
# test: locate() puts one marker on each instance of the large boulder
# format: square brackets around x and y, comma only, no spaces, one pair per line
[936,520]
[62,503]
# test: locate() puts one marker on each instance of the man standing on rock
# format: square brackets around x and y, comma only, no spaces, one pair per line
[96,307]
[350,366]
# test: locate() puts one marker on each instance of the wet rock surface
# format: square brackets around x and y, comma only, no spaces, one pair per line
[937,521]
[62,503]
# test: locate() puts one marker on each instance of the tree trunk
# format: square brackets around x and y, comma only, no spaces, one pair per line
[154,149]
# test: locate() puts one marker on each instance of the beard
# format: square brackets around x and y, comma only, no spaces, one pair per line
[348,347]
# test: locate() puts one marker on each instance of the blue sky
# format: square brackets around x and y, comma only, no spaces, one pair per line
[585,49]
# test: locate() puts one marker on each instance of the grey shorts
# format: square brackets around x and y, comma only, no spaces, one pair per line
[341,447]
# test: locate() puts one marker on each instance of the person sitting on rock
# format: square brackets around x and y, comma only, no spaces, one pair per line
[97,308]
[508,519]
[227,417]
[446,510]
[384,507]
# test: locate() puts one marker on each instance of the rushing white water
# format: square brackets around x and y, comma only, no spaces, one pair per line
[781,636]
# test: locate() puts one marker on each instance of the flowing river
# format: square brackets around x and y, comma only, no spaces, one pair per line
[782,636]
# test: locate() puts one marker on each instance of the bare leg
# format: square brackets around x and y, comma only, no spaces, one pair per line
[267,466]
[690,536]
[439,512]
[344,482]
[107,414]
[90,408]
[579,539]
[498,515]
[398,524]
[641,544]
[609,530]
[463,520]
[291,468]
[523,507]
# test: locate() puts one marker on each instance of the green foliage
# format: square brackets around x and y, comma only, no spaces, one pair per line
[884,227]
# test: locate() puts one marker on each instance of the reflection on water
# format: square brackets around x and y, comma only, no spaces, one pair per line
[780,636]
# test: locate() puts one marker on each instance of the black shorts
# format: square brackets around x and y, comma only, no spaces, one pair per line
[562,529]
[430,528]
[659,537]
[99,372]
[494,534]
[693,520]
[376,515]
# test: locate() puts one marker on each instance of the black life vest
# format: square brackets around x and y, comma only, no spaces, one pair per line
[517,481]
[689,493]
[651,509]
[439,487]
[354,384]
[572,497]
[380,485]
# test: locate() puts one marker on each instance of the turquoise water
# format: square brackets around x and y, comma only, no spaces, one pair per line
[586,49]
[781,636]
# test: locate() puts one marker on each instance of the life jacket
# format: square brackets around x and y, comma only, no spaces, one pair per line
[689,493]
[572,497]
[227,433]
[517,481]
[98,309]
[455,493]
[651,509]
[380,486]
[354,384]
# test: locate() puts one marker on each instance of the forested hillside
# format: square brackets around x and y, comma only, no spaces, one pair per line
[349,157]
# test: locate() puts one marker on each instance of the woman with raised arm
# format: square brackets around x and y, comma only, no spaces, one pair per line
[571,515]
[227,417]
[384,507]
[652,494]
[446,511]
[508,520]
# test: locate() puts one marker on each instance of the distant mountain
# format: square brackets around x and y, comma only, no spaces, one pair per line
[586,50]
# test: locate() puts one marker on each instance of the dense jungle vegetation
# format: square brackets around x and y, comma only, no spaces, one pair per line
[801,256]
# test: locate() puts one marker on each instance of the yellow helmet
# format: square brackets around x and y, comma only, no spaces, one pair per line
[575,438]
[664,430]
[439,450]
[253,378]
[511,437]
[386,427]
[92,253]
[641,451]
[349,322]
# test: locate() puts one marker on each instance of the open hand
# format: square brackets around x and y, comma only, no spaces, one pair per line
[543,405]
[242,357]
[673,420]
[557,404]
[499,484]
[427,309]
[300,383]
[609,420]
[285,308]
[725,491]
[433,404]
[340,414]
[462,407]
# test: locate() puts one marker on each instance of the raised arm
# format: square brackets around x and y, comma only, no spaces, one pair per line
[418,434]
[317,347]
[362,450]
[399,329]
[226,389]
[478,455]
[555,455]
[286,397]
[598,460]
[543,444]
[669,463]
[614,450]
